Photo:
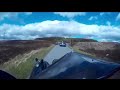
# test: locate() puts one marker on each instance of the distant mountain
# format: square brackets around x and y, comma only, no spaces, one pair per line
[66,39]
[50,38]
[84,40]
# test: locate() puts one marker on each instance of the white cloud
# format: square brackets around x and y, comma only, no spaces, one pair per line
[93,18]
[12,14]
[105,13]
[28,13]
[118,17]
[70,14]
[108,23]
[7,15]
[102,13]
[59,28]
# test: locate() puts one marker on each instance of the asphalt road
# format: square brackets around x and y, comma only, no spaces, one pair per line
[56,53]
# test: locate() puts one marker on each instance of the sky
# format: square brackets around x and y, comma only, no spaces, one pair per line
[101,26]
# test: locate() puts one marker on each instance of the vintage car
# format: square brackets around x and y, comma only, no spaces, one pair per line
[76,66]
[62,44]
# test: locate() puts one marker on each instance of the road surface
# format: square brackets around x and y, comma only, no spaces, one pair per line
[56,53]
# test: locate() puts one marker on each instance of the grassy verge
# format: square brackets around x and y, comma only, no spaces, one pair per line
[23,70]
[82,52]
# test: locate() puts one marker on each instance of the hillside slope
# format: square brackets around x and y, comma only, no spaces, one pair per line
[12,48]
[107,50]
